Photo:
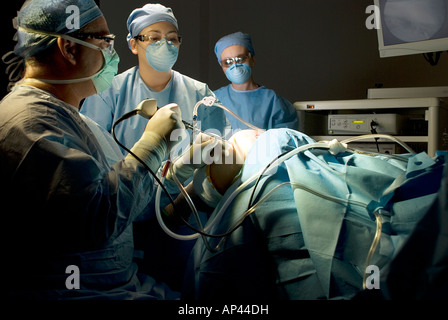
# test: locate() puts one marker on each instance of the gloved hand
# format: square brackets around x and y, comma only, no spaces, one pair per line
[155,142]
[204,150]
[164,121]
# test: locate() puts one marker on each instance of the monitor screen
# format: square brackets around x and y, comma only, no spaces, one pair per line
[412,26]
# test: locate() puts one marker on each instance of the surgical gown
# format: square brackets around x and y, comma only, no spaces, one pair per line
[128,90]
[310,237]
[261,107]
[64,205]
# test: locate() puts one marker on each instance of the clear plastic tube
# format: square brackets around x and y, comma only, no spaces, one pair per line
[386,136]
[377,212]
[186,195]
[376,240]
[209,101]
[256,175]
[236,116]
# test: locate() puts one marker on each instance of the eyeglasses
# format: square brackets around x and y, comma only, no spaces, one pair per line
[151,38]
[108,39]
[230,61]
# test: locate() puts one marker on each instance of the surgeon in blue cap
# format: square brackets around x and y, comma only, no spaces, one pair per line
[67,208]
[255,103]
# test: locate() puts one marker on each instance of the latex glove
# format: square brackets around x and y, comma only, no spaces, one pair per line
[164,122]
[205,150]
[156,141]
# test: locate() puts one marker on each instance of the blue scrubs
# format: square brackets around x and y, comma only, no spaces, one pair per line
[261,107]
[128,90]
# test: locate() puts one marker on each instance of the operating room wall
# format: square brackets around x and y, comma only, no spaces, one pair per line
[305,49]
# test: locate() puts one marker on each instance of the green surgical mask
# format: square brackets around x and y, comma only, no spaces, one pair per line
[102,80]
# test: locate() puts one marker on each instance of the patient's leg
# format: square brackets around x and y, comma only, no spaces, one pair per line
[205,191]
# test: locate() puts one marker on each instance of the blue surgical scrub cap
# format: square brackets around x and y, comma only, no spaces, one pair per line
[57,16]
[149,14]
[237,38]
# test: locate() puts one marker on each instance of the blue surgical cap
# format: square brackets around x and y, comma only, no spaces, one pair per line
[149,14]
[57,16]
[237,38]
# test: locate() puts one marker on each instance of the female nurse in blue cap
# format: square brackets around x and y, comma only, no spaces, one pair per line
[256,104]
[154,38]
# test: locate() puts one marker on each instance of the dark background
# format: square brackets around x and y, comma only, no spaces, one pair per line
[305,49]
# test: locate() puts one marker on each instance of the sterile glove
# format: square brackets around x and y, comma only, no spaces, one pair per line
[155,142]
[205,150]
[164,122]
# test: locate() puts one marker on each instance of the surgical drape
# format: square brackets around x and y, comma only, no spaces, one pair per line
[261,107]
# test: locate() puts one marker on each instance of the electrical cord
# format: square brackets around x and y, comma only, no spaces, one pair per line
[373,125]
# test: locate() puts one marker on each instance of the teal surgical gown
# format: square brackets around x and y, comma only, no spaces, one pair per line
[310,238]
[64,204]
[261,107]
[128,90]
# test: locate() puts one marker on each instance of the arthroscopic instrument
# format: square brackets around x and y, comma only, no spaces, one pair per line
[148,107]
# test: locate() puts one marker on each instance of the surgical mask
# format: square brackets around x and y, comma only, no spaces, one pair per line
[162,55]
[102,80]
[238,73]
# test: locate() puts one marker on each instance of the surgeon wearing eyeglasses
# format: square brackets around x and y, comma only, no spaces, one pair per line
[251,101]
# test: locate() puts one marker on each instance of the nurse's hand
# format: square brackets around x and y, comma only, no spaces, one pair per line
[205,150]
[164,122]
